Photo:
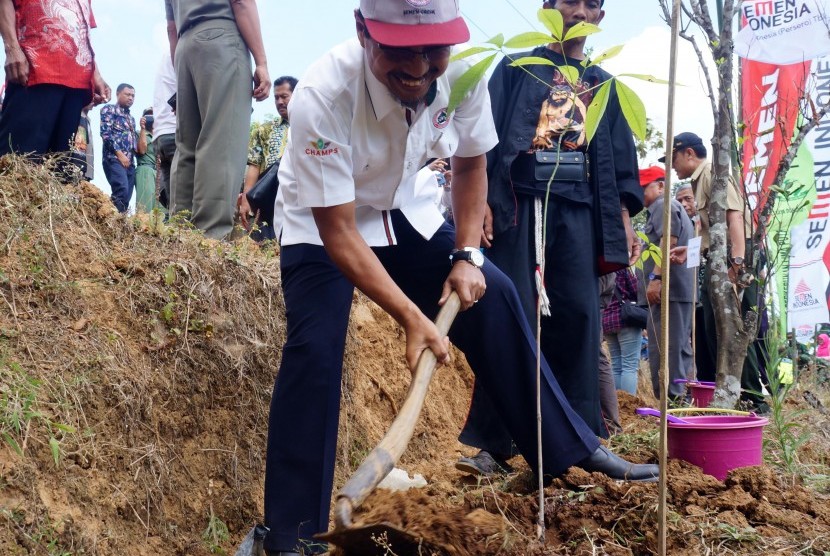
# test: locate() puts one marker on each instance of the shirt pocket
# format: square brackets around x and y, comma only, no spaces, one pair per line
[443,143]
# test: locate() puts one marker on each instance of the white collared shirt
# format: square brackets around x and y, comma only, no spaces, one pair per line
[165,87]
[350,141]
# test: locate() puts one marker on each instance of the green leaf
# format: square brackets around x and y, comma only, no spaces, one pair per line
[633,109]
[498,40]
[62,427]
[528,40]
[472,51]
[530,61]
[606,55]
[646,77]
[596,110]
[13,443]
[552,20]
[581,29]
[468,80]
[55,448]
[169,275]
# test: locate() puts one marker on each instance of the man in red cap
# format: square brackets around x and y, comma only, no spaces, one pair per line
[364,119]
[681,288]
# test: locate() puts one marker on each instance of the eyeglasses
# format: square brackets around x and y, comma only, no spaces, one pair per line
[400,55]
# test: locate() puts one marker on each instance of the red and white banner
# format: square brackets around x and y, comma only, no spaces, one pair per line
[809,278]
[783,31]
[771,96]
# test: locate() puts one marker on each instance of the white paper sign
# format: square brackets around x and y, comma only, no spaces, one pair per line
[783,31]
[693,252]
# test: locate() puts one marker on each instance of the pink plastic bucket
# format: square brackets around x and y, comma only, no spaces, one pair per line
[718,443]
[702,394]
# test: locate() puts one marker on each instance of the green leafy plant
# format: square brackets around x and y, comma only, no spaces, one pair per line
[650,251]
[632,107]
[19,413]
[786,434]
[215,534]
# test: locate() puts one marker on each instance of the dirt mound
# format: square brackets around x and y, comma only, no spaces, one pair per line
[137,360]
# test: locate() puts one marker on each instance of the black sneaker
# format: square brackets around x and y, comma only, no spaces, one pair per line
[483,464]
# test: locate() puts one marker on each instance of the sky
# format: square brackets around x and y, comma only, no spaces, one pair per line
[131,38]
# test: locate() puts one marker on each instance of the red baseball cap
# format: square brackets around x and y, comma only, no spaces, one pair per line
[650,174]
[415,22]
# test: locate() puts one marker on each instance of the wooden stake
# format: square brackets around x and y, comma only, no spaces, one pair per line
[666,281]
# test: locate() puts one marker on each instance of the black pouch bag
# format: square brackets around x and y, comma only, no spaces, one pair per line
[633,315]
[531,172]
[264,193]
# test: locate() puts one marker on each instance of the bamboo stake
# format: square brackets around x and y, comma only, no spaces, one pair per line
[666,281]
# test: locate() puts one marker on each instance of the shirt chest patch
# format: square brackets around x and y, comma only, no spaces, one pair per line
[321,148]
[441,119]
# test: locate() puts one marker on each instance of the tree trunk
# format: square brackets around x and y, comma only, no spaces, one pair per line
[735,331]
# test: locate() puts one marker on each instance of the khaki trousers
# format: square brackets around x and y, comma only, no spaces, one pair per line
[213,107]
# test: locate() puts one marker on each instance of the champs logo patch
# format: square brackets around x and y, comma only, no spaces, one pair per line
[418,3]
[440,120]
[321,148]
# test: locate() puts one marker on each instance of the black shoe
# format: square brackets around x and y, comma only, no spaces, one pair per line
[605,461]
[483,464]
[282,553]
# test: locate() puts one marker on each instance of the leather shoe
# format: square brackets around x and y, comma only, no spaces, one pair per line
[484,464]
[282,553]
[605,461]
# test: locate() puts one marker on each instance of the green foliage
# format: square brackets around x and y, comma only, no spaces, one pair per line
[498,40]
[467,81]
[645,77]
[652,142]
[785,433]
[215,534]
[604,55]
[596,109]
[581,29]
[633,108]
[553,22]
[527,40]
[21,418]
[530,61]
[650,251]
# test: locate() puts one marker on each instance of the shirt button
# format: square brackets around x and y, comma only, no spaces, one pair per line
[528,111]
[520,139]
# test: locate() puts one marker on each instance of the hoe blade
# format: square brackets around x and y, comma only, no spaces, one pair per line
[379,539]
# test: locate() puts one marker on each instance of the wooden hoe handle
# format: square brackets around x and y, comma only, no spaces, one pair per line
[385,455]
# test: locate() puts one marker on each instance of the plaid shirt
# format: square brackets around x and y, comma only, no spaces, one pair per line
[625,290]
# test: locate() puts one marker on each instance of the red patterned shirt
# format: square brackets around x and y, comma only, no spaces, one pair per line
[54,35]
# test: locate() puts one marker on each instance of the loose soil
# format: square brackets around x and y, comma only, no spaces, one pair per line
[136,365]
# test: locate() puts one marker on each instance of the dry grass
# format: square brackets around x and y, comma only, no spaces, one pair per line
[136,346]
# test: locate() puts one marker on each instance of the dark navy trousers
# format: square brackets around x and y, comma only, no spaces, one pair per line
[305,406]
[570,337]
[121,180]
[41,118]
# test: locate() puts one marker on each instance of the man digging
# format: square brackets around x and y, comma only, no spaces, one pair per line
[365,118]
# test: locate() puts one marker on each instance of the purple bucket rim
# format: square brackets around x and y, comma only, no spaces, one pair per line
[699,422]
[700,385]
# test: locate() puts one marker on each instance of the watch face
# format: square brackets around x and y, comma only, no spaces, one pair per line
[477,258]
